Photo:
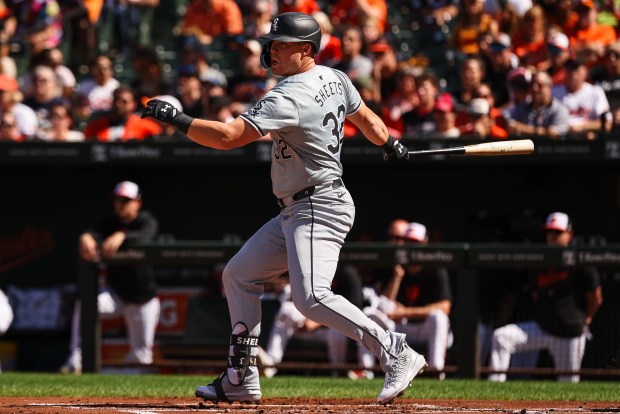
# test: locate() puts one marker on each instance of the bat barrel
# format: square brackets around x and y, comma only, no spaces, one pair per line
[512,147]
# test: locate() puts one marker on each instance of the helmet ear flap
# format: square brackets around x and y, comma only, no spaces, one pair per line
[265,56]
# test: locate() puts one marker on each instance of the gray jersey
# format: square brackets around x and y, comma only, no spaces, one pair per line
[305,116]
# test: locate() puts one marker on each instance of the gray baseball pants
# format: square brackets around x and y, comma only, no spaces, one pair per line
[305,240]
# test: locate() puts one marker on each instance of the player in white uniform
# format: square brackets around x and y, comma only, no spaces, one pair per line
[304,115]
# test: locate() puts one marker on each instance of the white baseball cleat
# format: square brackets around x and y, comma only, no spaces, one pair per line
[222,390]
[399,376]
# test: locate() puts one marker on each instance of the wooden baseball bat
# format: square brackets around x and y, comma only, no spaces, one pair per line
[514,147]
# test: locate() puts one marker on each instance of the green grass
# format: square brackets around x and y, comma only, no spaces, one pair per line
[89,385]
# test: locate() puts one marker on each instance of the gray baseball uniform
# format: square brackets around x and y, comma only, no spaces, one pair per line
[305,114]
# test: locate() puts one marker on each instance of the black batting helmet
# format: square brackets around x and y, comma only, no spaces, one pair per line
[291,27]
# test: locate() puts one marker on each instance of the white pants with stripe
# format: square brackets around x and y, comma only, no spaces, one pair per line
[567,353]
[141,321]
[434,331]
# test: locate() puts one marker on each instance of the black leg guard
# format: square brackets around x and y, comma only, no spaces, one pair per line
[244,351]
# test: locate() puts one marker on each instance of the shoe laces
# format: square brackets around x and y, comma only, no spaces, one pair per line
[398,371]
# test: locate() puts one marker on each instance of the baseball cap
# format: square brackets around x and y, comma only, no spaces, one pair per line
[127,189]
[363,82]
[585,4]
[520,77]
[558,221]
[478,106]
[501,42]
[415,232]
[214,77]
[444,102]
[558,40]
[8,83]
[253,46]
[380,46]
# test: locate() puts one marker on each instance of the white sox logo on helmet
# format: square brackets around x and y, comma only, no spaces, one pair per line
[274,25]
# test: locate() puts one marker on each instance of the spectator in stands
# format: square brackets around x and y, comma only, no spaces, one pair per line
[543,116]
[608,78]
[7,29]
[207,19]
[330,49]
[131,290]
[497,116]
[520,7]
[45,90]
[366,87]
[126,21]
[251,82]
[519,80]
[589,38]
[121,123]
[385,67]
[445,117]
[148,79]
[479,122]
[189,90]
[98,89]
[354,62]
[501,61]
[471,73]
[473,25]
[37,23]
[9,131]
[10,103]
[288,322]
[356,13]
[431,14]
[566,301]
[258,21]
[219,109]
[561,14]
[420,121]
[403,99]
[53,58]
[530,42]
[193,53]
[558,48]
[587,104]
[61,125]
[6,315]
[212,86]
[414,300]
[302,6]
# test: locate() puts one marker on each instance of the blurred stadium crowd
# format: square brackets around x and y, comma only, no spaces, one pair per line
[77,70]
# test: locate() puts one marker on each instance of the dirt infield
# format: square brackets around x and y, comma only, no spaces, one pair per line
[292,406]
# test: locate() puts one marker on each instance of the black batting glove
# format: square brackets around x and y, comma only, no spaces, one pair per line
[394,151]
[167,113]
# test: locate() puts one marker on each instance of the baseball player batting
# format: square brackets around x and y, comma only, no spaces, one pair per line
[304,114]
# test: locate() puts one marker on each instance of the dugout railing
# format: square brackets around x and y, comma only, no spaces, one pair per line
[465,261]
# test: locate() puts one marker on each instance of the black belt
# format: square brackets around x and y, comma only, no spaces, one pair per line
[307,192]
